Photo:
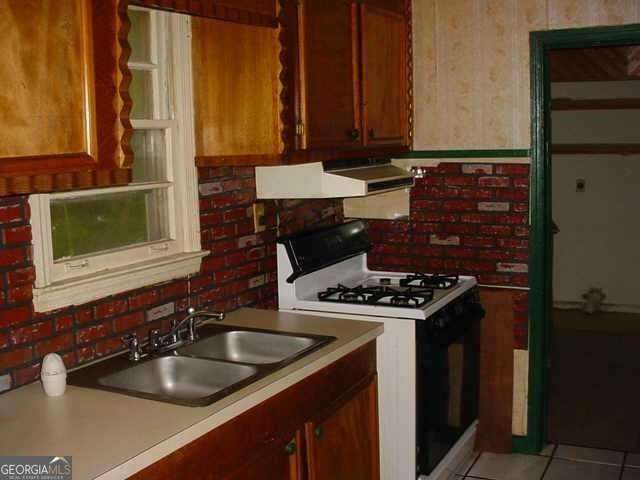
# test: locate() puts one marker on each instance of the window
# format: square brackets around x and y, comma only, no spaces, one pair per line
[93,243]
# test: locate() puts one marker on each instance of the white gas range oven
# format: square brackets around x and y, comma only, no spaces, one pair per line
[428,356]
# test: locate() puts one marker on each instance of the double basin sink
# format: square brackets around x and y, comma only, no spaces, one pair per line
[223,360]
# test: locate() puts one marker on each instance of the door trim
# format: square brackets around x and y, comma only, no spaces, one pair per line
[541,238]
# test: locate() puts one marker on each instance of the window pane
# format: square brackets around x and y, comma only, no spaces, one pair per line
[150,156]
[140,36]
[141,91]
[93,224]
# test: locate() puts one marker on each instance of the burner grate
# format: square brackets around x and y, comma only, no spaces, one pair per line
[426,280]
[411,297]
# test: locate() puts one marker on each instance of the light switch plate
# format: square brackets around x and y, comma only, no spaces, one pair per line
[259,220]
[581,185]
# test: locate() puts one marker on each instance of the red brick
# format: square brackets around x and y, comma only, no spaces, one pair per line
[174,289]
[211,264]
[64,322]
[429,180]
[511,219]
[89,334]
[521,182]
[521,231]
[426,228]
[20,293]
[512,243]
[520,207]
[222,201]
[212,218]
[31,333]
[477,168]
[426,205]
[461,252]
[21,276]
[84,316]
[460,228]
[255,253]
[4,340]
[109,345]
[17,235]
[515,195]
[55,344]
[244,228]
[85,354]
[15,316]
[460,180]
[494,279]
[478,241]
[430,264]
[110,308]
[15,357]
[495,182]
[459,206]
[494,230]
[201,282]
[26,375]
[513,169]
[391,249]
[11,213]
[249,269]
[477,218]
[13,256]
[235,258]
[128,322]
[448,168]
[427,251]
[223,246]
[478,267]
[223,231]
[476,194]
[235,214]
[143,299]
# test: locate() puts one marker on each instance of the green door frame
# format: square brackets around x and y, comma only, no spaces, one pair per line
[541,237]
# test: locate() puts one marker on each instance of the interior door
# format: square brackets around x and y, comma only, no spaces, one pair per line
[343,443]
[328,75]
[384,76]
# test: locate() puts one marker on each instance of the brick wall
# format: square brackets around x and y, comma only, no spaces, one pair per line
[465,218]
[240,271]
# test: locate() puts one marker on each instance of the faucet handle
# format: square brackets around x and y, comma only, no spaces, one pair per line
[154,337]
[133,344]
[191,311]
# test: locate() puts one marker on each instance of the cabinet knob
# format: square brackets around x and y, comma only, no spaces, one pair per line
[318,432]
[290,448]
[354,134]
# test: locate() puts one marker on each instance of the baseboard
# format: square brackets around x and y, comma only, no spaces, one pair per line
[605,307]
[461,452]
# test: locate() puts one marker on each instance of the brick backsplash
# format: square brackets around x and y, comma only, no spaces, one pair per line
[240,271]
[465,218]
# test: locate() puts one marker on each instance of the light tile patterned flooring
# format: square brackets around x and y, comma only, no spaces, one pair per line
[555,462]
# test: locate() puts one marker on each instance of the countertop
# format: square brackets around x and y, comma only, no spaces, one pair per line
[112,436]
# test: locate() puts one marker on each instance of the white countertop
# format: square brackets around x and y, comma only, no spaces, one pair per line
[112,436]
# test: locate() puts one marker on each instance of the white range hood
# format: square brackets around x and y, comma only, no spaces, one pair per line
[357,178]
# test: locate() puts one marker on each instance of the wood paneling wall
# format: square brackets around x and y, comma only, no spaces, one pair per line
[471,65]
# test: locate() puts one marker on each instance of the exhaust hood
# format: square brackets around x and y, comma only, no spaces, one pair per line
[348,178]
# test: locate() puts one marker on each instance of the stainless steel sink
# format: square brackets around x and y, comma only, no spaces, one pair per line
[250,347]
[224,360]
[181,379]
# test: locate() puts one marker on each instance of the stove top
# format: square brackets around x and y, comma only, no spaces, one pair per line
[430,280]
[410,297]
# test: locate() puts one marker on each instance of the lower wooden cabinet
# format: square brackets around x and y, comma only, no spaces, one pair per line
[325,427]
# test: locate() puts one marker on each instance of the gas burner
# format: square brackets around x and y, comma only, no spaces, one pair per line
[426,280]
[411,297]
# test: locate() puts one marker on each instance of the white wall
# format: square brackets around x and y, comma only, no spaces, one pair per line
[599,240]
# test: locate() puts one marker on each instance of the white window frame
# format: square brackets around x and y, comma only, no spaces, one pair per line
[86,278]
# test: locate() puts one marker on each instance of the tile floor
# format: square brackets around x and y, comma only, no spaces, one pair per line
[555,462]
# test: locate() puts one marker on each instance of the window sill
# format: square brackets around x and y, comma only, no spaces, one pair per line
[110,282]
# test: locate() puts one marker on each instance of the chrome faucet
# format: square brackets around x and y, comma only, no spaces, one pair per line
[161,342]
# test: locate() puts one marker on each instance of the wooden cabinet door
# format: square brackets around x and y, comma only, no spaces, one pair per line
[394,5]
[235,82]
[384,77]
[277,461]
[329,106]
[343,443]
[62,107]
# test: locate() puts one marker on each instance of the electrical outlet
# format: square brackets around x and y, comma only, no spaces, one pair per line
[580,185]
[259,220]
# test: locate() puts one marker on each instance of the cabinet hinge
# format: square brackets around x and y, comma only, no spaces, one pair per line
[299,129]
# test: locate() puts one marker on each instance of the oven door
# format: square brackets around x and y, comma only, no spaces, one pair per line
[447,378]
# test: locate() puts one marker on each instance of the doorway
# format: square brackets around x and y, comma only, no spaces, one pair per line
[543,46]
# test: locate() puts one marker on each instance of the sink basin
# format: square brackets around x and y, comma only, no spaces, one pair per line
[250,347]
[179,379]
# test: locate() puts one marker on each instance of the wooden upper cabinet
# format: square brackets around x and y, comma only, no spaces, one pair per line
[267,7]
[236,90]
[61,109]
[384,77]
[343,442]
[328,83]
[397,6]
